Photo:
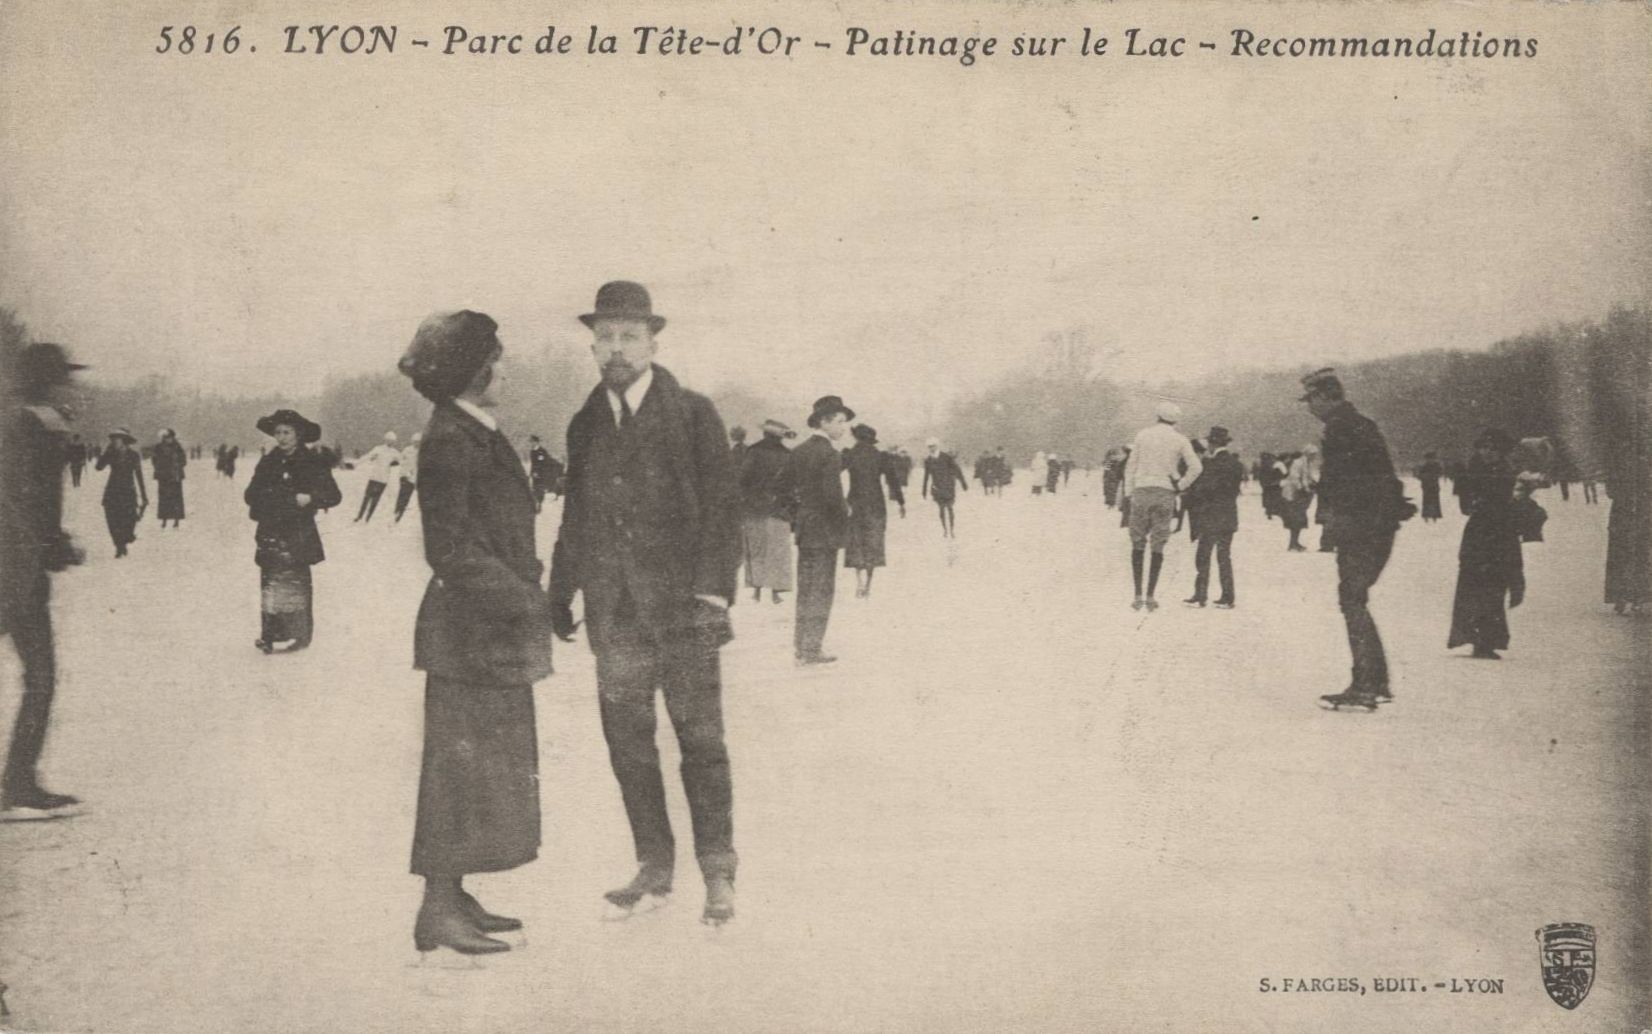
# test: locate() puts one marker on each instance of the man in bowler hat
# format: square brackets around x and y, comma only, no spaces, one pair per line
[822,524]
[1213,503]
[33,546]
[1365,505]
[651,535]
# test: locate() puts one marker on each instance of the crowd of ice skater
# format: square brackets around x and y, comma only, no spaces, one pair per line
[660,511]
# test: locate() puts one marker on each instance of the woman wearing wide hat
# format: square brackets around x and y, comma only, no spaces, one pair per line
[483,638]
[868,515]
[290,483]
[124,495]
[169,462]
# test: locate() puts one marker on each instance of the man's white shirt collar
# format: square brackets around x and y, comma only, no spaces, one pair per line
[482,416]
[633,395]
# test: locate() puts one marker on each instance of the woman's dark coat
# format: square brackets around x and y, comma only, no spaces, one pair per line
[485,617]
[286,535]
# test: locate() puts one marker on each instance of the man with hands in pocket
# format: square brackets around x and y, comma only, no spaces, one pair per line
[650,534]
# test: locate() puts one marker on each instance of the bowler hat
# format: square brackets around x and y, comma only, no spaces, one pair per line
[121,432]
[1323,379]
[308,431]
[624,300]
[44,364]
[825,406]
[1218,437]
[447,351]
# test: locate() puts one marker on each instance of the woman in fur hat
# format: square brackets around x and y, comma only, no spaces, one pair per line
[291,482]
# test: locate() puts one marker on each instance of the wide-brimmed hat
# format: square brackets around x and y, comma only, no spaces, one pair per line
[121,432]
[865,433]
[1218,437]
[623,300]
[44,364]
[308,430]
[1321,380]
[825,406]
[447,351]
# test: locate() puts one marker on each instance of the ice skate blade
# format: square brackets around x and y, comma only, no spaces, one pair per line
[41,814]
[615,912]
[1367,705]
[446,961]
[716,922]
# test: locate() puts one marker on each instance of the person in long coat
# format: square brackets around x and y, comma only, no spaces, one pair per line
[482,638]
[35,382]
[766,509]
[1428,475]
[868,514]
[290,483]
[1271,477]
[1297,494]
[1489,562]
[1629,529]
[170,460]
[1213,510]
[650,536]
[124,495]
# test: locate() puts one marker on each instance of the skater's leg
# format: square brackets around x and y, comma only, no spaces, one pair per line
[1201,568]
[1153,574]
[1359,564]
[628,675]
[31,632]
[1224,564]
[1136,556]
[693,698]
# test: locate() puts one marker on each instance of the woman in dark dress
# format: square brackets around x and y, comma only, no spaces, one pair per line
[169,478]
[1489,564]
[124,496]
[1269,476]
[868,516]
[290,483]
[483,638]
[1629,530]
[1429,475]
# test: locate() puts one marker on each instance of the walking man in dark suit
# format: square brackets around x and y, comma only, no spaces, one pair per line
[651,535]
[33,546]
[822,524]
[1365,504]
[1213,505]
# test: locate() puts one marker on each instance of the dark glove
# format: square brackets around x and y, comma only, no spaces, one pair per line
[62,554]
[712,628]
[562,621]
[1517,597]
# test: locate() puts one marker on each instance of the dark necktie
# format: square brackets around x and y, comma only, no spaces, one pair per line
[625,410]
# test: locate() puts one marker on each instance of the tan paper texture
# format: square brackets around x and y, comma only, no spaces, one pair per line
[1014,802]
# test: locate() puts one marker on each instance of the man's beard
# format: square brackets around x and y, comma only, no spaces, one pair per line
[620,376]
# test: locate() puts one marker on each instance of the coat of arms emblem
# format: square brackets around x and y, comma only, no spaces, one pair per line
[1567,954]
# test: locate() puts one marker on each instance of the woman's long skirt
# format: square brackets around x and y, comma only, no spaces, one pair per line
[170,504]
[286,599]
[479,786]
[123,523]
[768,553]
[1431,501]
[1629,550]
[1478,616]
[864,550]
[1295,512]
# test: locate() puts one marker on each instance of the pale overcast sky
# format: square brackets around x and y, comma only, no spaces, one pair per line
[896,230]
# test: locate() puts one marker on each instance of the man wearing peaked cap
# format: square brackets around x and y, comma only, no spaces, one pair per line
[33,546]
[1363,503]
[822,524]
[650,536]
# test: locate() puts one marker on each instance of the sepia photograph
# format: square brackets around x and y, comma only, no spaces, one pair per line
[874,516]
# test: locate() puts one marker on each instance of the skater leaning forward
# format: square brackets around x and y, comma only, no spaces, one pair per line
[650,536]
[290,483]
[1365,504]
[483,638]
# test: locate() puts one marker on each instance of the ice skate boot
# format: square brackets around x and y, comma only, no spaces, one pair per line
[719,901]
[648,891]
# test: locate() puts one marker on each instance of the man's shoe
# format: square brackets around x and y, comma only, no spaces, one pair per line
[1195,601]
[1139,604]
[650,889]
[1223,604]
[819,658]
[1349,700]
[484,920]
[719,900]
[1151,604]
